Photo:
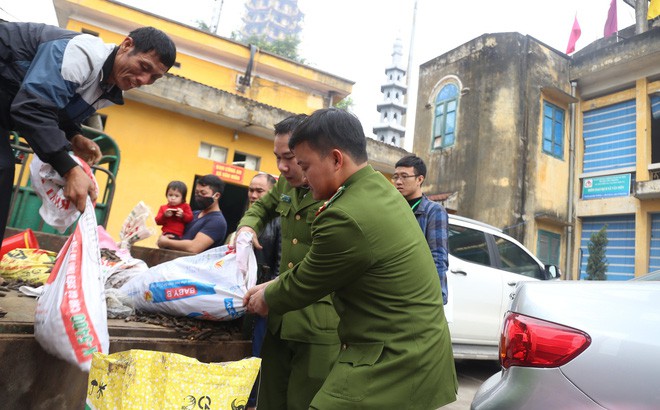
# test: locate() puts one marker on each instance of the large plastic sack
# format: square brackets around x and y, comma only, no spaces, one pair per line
[118,304]
[29,265]
[141,379]
[207,286]
[117,265]
[117,268]
[71,320]
[118,273]
[56,210]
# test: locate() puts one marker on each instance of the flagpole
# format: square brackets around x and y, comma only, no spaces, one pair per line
[412,44]
[641,12]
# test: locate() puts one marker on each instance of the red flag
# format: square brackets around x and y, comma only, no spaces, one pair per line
[575,34]
[610,24]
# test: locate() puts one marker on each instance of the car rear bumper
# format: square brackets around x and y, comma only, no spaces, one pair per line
[475,352]
[530,388]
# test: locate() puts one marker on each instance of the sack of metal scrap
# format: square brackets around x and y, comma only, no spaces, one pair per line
[208,286]
[141,379]
[29,265]
[70,320]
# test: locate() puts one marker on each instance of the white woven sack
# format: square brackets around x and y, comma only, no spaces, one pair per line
[208,286]
[71,318]
[56,210]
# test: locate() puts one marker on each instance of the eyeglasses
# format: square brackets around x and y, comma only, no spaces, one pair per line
[396,177]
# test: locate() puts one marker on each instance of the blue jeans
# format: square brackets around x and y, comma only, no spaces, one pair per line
[257,342]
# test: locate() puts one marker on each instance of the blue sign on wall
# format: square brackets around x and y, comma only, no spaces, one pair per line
[606,187]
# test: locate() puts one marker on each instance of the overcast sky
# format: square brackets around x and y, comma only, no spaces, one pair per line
[354,38]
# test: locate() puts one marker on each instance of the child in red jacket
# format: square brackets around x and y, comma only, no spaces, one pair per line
[174,215]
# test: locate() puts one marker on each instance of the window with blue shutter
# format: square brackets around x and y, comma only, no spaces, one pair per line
[654,248]
[548,247]
[620,250]
[444,121]
[655,129]
[553,130]
[609,137]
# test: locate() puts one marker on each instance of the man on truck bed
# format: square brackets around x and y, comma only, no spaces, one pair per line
[52,79]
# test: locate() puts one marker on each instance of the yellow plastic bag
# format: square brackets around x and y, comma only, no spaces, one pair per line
[142,379]
[30,265]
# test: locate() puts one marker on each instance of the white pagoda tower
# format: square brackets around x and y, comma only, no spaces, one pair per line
[391,127]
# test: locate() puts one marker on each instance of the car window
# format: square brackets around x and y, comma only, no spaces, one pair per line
[468,244]
[516,260]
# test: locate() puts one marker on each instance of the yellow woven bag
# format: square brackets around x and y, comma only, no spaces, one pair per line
[142,379]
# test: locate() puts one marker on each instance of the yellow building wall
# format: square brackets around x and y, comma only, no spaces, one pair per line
[552,172]
[224,78]
[642,209]
[550,192]
[214,75]
[559,230]
[159,146]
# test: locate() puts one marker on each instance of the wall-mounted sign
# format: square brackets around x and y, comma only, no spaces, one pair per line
[228,172]
[606,187]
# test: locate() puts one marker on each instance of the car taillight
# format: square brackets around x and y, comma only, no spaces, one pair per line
[531,342]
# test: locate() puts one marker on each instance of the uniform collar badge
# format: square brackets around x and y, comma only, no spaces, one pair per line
[331,200]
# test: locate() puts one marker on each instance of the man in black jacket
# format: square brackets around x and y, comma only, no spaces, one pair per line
[52,79]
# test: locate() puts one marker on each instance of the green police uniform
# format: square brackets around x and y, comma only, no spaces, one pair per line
[300,346]
[396,350]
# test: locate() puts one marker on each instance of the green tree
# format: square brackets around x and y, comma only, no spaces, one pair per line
[203,26]
[286,47]
[346,104]
[597,263]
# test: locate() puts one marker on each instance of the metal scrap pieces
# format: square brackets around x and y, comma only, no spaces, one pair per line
[193,329]
[109,255]
[14,284]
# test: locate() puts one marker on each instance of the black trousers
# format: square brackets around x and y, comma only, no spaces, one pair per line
[7,162]
[7,166]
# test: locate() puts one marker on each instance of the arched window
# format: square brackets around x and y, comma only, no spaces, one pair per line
[394,140]
[444,122]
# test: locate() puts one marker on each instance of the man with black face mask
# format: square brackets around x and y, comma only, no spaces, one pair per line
[208,227]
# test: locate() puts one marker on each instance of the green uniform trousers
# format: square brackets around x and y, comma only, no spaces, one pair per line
[292,372]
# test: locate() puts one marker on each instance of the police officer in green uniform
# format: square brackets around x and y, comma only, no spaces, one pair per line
[396,350]
[300,346]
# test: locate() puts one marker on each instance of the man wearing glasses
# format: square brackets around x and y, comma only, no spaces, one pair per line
[409,174]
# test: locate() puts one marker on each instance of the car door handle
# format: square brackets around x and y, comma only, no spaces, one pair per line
[512,283]
[458,272]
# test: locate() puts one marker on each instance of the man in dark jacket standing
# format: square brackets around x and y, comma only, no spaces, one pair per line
[52,79]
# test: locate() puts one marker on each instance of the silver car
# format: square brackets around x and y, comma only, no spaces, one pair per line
[578,345]
[655,275]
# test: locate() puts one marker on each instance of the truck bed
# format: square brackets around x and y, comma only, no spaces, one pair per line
[30,378]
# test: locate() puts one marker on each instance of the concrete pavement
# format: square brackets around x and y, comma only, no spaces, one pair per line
[471,374]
